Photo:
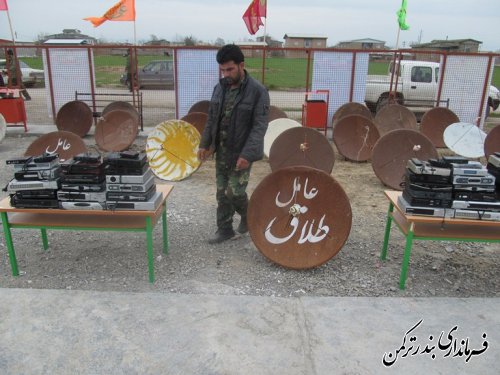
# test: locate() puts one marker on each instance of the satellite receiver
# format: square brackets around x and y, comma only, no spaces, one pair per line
[465,139]
[64,143]
[197,119]
[75,117]
[299,217]
[394,116]
[392,152]
[3,127]
[201,106]
[492,142]
[351,108]
[355,136]
[171,149]
[302,146]
[274,129]
[276,113]
[435,121]
[116,130]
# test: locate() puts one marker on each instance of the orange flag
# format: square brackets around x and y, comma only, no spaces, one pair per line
[124,10]
[253,15]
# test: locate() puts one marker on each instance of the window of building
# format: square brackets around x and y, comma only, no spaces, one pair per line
[307,43]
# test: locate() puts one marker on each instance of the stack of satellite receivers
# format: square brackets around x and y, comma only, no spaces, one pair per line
[120,181]
[452,187]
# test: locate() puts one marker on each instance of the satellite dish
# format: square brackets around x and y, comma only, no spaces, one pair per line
[276,113]
[435,121]
[302,146]
[171,149]
[465,139]
[65,144]
[394,116]
[75,117]
[3,127]
[201,106]
[125,106]
[352,108]
[299,217]
[394,149]
[116,130]
[197,119]
[274,129]
[492,142]
[355,136]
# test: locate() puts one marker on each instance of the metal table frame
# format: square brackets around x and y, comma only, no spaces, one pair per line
[433,228]
[105,220]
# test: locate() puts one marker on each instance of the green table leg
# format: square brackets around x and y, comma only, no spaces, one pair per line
[165,232]
[406,257]
[383,253]
[10,245]
[45,240]
[149,238]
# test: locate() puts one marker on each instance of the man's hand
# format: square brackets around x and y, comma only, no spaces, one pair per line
[242,164]
[204,154]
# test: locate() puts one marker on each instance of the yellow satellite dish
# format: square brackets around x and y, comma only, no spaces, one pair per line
[171,149]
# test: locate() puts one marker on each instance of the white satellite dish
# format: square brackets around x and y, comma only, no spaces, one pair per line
[3,127]
[274,129]
[465,139]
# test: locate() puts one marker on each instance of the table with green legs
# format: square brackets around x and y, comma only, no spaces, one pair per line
[95,220]
[415,227]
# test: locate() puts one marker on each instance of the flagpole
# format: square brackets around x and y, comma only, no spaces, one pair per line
[135,35]
[10,25]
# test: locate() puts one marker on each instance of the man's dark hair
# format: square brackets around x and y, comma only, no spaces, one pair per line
[230,52]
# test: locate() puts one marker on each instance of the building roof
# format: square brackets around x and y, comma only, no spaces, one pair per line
[305,36]
[445,43]
[364,40]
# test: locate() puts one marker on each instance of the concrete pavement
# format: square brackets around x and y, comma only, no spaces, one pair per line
[85,332]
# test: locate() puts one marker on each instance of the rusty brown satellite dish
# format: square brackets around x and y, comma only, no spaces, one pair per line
[302,147]
[275,113]
[65,144]
[76,117]
[352,108]
[201,106]
[197,119]
[492,142]
[299,217]
[355,136]
[119,105]
[435,121]
[394,116]
[116,130]
[393,150]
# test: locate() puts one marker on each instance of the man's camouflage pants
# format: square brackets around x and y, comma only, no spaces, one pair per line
[231,192]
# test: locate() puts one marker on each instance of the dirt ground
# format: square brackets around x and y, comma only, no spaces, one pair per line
[116,261]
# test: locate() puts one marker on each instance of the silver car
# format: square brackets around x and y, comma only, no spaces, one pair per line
[155,74]
[30,76]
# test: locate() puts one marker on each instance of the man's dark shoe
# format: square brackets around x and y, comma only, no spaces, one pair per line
[243,227]
[221,236]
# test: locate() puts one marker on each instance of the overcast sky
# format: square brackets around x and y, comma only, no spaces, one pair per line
[208,20]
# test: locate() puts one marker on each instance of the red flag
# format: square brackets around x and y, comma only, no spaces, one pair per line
[253,14]
[124,10]
[3,5]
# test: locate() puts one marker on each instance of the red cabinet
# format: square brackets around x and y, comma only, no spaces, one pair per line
[13,111]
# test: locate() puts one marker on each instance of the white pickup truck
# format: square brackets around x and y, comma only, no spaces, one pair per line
[417,86]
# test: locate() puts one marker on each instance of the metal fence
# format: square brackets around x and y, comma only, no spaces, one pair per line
[170,79]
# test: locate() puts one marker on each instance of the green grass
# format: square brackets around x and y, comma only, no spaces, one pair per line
[281,73]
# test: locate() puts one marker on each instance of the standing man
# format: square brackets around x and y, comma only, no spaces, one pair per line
[236,125]
[12,71]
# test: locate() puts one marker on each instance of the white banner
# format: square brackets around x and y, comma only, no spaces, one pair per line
[333,71]
[70,72]
[197,75]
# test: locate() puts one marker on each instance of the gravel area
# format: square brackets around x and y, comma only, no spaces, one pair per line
[116,261]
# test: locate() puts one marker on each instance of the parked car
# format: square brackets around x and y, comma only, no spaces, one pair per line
[155,74]
[30,76]
[418,81]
